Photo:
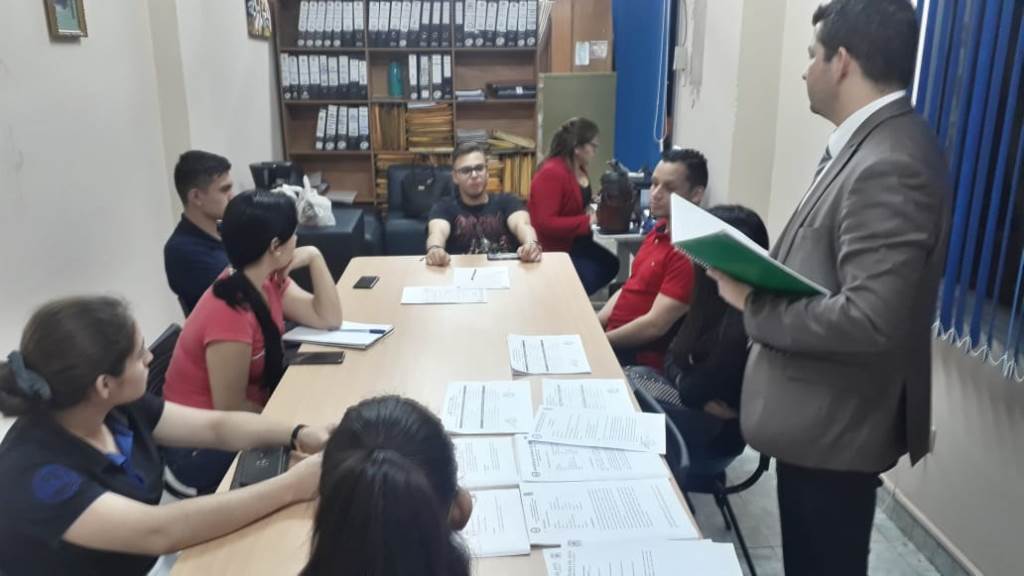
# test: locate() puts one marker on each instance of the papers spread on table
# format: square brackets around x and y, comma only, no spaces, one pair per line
[491,278]
[592,394]
[657,558]
[443,295]
[623,431]
[498,407]
[621,510]
[547,354]
[350,335]
[496,526]
[544,462]
[486,461]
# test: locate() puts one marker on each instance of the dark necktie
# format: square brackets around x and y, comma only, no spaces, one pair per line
[825,159]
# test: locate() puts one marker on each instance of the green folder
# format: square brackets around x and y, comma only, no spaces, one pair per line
[713,243]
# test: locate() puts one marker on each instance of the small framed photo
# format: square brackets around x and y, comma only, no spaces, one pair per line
[257,13]
[66,18]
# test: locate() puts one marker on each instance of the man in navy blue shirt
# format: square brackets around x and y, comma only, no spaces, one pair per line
[194,255]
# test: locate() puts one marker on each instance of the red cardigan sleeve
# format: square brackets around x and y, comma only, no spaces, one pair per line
[548,196]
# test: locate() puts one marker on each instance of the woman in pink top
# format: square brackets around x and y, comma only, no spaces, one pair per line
[229,355]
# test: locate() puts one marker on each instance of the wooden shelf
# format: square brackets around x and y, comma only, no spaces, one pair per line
[489,49]
[323,102]
[321,50]
[314,153]
[408,101]
[385,50]
[497,101]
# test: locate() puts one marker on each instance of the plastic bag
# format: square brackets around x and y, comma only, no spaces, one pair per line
[314,209]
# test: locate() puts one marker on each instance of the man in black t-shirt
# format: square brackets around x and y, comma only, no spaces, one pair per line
[475,222]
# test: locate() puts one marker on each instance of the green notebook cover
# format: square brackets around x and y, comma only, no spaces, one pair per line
[722,252]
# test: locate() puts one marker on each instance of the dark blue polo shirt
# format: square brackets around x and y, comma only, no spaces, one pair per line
[192,259]
[49,477]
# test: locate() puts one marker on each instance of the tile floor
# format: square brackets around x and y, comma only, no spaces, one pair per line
[892,554]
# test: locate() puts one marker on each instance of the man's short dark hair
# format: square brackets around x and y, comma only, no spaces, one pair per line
[198,169]
[696,164]
[881,35]
[467,148]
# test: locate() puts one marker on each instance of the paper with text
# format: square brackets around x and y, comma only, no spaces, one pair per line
[637,431]
[486,461]
[547,354]
[496,526]
[623,510]
[544,462]
[497,407]
[591,394]
[350,335]
[658,558]
[490,278]
[443,295]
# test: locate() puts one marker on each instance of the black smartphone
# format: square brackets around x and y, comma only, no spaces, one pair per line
[366,282]
[318,358]
[259,464]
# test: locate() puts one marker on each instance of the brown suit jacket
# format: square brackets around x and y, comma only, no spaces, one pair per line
[843,382]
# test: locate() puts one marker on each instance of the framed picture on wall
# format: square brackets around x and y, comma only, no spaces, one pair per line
[66,18]
[257,13]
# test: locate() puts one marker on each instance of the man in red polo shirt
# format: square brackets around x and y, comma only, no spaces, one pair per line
[640,317]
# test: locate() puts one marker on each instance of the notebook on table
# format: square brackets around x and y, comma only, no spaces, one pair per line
[351,335]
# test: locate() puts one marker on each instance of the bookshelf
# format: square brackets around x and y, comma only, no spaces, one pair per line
[365,171]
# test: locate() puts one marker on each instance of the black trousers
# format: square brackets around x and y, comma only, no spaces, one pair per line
[826,520]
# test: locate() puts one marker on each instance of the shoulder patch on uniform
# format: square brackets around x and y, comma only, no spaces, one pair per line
[55,483]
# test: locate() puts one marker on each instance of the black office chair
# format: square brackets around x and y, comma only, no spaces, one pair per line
[162,349]
[675,448]
[710,478]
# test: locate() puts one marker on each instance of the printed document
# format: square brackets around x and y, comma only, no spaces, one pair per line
[544,462]
[601,511]
[443,295]
[637,431]
[658,558]
[547,354]
[497,527]
[499,407]
[592,394]
[486,461]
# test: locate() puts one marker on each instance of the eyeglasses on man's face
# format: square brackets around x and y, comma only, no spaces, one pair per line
[470,170]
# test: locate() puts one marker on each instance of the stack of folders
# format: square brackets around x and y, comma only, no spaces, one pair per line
[498,23]
[323,77]
[387,126]
[413,24]
[477,135]
[517,173]
[343,128]
[476,95]
[429,77]
[429,127]
[332,24]
[586,467]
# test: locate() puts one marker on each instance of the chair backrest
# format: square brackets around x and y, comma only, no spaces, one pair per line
[676,455]
[162,350]
[397,172]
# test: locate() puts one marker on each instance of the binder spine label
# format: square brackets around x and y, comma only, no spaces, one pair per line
[285,76]
[436,76]
[331,128]
[341,134]
[303,22]
[321,127]
[304,76]
[364,128]
[414,69]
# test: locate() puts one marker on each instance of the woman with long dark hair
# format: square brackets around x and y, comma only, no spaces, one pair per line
[81,468]
[390,503]
[229,355]
[559,204]
[704,367]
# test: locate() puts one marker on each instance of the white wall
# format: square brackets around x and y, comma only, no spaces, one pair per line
[83,202]
[231,85]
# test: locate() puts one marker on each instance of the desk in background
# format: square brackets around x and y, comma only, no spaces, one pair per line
[431,346]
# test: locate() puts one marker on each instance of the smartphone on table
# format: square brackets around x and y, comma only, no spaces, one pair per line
[317,358]
[366,282]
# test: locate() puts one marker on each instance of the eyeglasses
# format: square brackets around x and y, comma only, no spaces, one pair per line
[470,170]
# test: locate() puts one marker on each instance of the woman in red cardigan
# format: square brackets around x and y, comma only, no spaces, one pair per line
[559,204]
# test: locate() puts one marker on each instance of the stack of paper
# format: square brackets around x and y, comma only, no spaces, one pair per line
[637,431]
[486,461]
[544,462]
[621,510]
[658,558]
[443,295]
[589,394]
[491,278]
[497,526]
[351,335]
[470,95]
[547,354]
[429,127]
[478,135]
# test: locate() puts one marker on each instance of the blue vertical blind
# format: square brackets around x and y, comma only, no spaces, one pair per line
[969,88]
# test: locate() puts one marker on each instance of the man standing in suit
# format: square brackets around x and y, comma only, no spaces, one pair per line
[837,388]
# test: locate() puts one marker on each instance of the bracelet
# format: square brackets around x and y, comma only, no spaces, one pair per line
[533,242]
[432,246]
[295,436]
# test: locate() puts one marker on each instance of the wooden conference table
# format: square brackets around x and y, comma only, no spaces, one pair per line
[431,345]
